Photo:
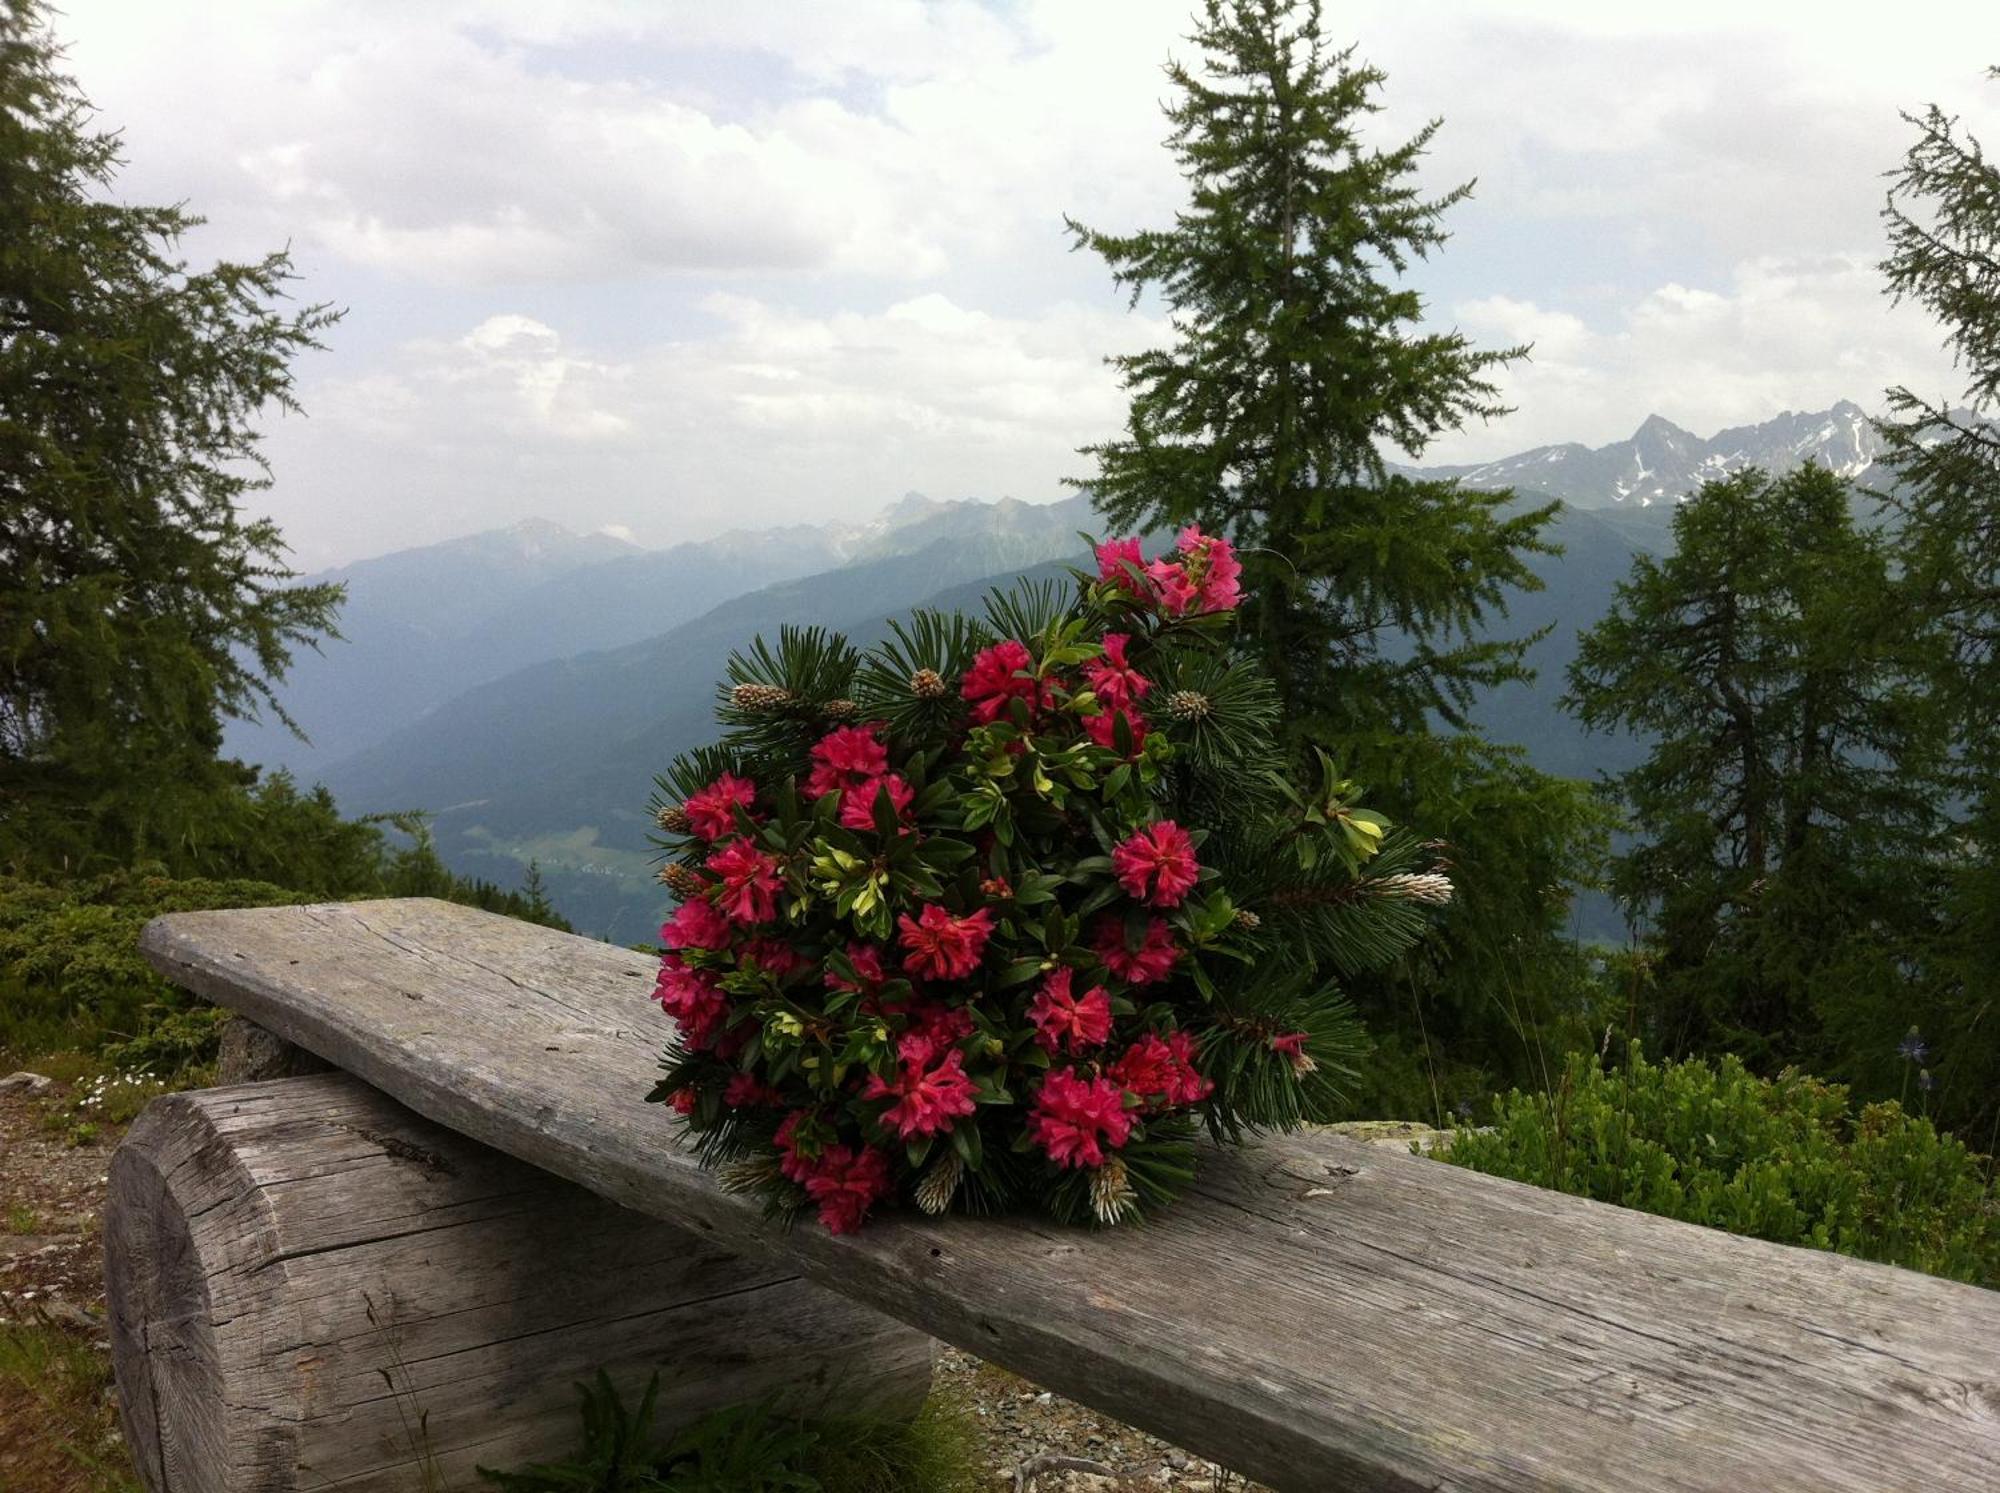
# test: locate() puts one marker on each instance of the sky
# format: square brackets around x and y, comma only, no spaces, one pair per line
[671,268]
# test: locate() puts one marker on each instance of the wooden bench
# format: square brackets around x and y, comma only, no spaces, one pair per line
[1317,1313]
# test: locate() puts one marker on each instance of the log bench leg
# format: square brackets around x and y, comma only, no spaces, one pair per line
[311,1287]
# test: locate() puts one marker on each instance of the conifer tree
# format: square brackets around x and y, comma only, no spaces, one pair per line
[1943,216]
[139,604]
[1297,361]
[1788,814]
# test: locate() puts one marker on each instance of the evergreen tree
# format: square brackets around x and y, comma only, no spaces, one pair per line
[1943,216]
[1296,361]
[1787,816]
[139,605]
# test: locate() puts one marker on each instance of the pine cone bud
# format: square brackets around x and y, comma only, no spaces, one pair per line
[840,710]
[940,1183]
[927,684]
[1189,705]
[1427,887]
[1111,1194]
[1247,920]
[673,819]
[683,881]
[759,698]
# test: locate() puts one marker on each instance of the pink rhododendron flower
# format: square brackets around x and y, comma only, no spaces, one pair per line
[1061,1018]
[927,1100]
[845,756]
[696,924]
[934,1028]
[1152,961]
[994,679]
[1113,556]
[857,804]
[750,881]
[785,1142]
[1176,593]
[1154,1068]
[1157,864]
[683,1099]
[867,962]
[1074,1118]
[845,1182]
[693,998]
[713,810]
[1102,728]
[943,947]
[748,1091]
[772,955]
[1212,564]
[1113,680]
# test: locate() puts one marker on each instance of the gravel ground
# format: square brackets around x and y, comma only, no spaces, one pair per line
[52,1176]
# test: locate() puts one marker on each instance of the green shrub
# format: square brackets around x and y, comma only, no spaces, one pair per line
[71,976]
[753,1449]
[1783,1159]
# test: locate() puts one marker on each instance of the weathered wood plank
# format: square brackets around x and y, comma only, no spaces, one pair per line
[1319,1313]
[312,1287]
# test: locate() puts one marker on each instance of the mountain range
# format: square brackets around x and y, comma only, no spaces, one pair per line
[525,685]
[1661,462]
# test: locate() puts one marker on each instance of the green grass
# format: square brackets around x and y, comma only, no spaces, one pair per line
[57,1427]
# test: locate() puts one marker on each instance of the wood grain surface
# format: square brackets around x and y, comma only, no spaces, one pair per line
[312,1287]
[1318,1313]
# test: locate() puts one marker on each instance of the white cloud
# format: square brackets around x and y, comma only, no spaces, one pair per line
[778,416]
[1785,334]
[1677,205]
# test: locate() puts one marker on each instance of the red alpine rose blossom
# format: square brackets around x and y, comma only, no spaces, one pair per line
[748,1091]
[1113,680]
[750,881]
[943,947]
[696,924]
[1173,589]
[1148,964]
[1217,572]
[1154,1068]
[1113,556]
[1157,864]
[683,1099]
[867,962]
[845,756]
[846,1182]
[693,998]
[1062,1018]
[785,1142]
[713,810]
[1075,1117]
[927,1100]
[1102,728]
[933,1028]
[773,956]
[857,804]
[995,678]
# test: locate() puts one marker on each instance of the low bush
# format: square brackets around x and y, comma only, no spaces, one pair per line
[72,978]
[1785,1159]
[754,1449]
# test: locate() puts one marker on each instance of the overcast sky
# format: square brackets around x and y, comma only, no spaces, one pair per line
[673,268]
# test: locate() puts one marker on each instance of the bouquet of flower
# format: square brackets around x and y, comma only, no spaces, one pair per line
[1000,912]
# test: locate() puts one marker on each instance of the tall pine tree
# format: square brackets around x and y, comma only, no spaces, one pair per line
[139,604]
[1788,848]
[1943,216]
[1297,360]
